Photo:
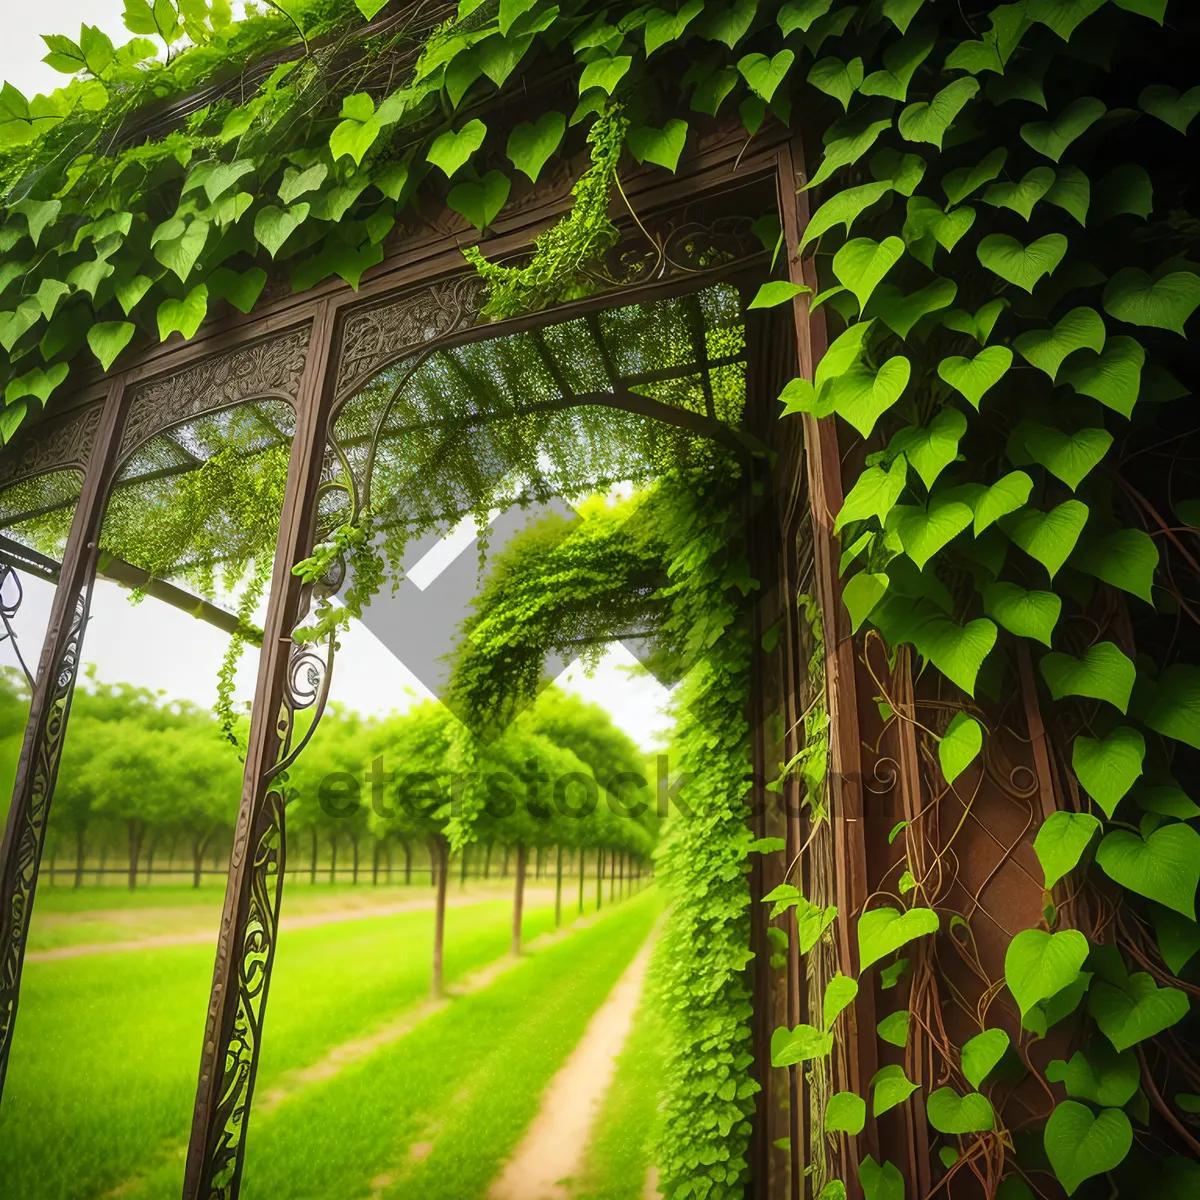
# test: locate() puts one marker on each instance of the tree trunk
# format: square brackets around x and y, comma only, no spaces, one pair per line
[621,877]
[198,848]
[537,869]
[599,879]
[462,875]
[80,856]
[504,869]
[519,897]
[333,860]
[312,864]
[150,859]
[136,833]
[612,877]
[408,864]
[354,873]
[582,876]
[438,851]
[375,865]
[558,892]
[487,862]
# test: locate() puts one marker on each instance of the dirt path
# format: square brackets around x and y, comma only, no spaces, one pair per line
[207,936]
[553,1147]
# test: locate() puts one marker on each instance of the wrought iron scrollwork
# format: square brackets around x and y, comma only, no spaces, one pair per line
[11,595]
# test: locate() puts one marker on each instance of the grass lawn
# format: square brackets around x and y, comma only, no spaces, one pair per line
[619,1156]
[107,1046]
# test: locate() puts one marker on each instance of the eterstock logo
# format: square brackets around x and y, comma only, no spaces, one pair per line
[500,794]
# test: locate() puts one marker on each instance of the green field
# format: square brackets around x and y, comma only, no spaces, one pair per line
[104,1063]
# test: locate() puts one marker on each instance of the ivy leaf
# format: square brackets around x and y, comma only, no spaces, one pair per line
[1023,613]
[1126,559]
[108,339]
[790,1046]
[38,383]
[1114,376]
[1102,673]
[893,1029]
[883,930]
[900,61]
[1039,965]
[845,1112]
[931,448]
[1021,197]
[1164,867]
[1103,1077]
[510,10]
[1136,1010]
[974,377]
[961,182]
[369,8]
[1164,303]
[662,27]
[605,73]
[1069,457]
[889,1087]
[862,396]
[902,171]
[777,291]
[981,1054]
[728,23]
[960,745]
[844,208]
[659,146]
[1061,841]
[273,226]
[928,122]
[923,531]
[861,264]
[130,293]
[980,325]
[480,202]
[901,12]
[956,650]
[900,313]
[993,51]
[861,594]
[710,94]
[874,494]
[185,315]
[837,79]
[179,253]
[296,183]
[1072,192]
[49,293]
[1169,106]
[1173,708]
[1127,189]
[1052,138]
[1178,938]
[451,150]
[1049,537]
[1063,16]
[1021,265]
[241,290]
[839,992]
[800,14]
[948,1112]
[38,214]
[1080,1146]
[1108,768]
[842,152]
[763,75]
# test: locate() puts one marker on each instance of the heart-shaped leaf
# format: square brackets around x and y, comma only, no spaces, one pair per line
[900,313]
[956,650]
[1080,1145]
[1069,457]
[903,171]
[777,291]
[1103,1077]
[874,494]
[241,289]
[451,150]
[1127,559]
[531,143]
[1102,673]
[842,152]
[1072,192]
[1063,16]
[961,182]
[923,531]
[108,339]
[926,227]
[605,73]
[1114,377]
[1049,537]
[900,61]
[480,202]
[1021,197]
[1061,841]
[179,250]
[980,325]
[1164,303]
[1021,265]
[800,14]
[974,377]
[763,75]
[659,146]
[1038,965]
[845,1112]
[1109,767]
[861,264]
[931,448]
[790,1046]
[1172,706]
[1080,329]
[296,182]
[960,745]
[861,396]
[1164,867]
[1136,1010]
[861,594]
[893,1029]
[1051,138]
[38,383]
[273,226]
[836,78]
[1024,613]
[839,992]
[1178,938]
[928,122]
[184,315]
[948,1112]
[1127,189]
[889,1087]
[1169,106]
[981,1053]
[883,930]
[844,208]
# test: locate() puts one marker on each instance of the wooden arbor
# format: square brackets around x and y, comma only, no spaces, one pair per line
[310,352]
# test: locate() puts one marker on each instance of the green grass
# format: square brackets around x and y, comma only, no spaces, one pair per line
[107,1047]
[619,1156]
